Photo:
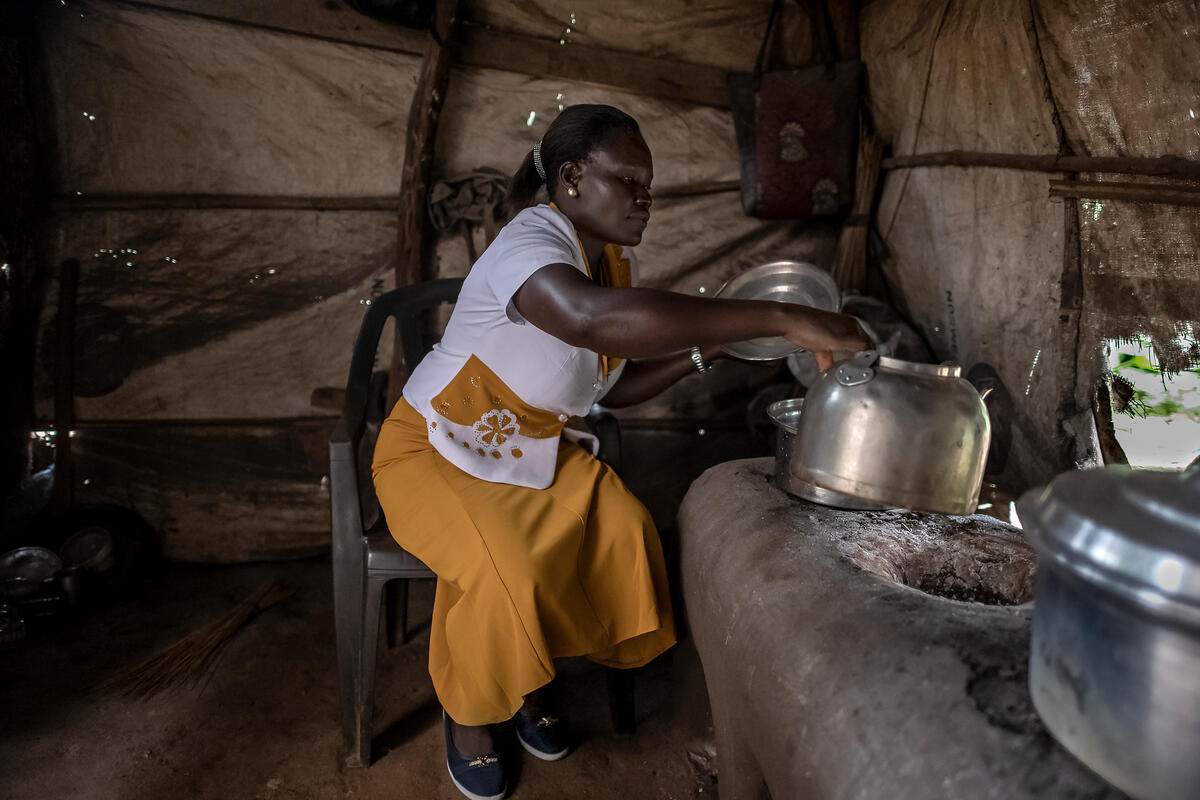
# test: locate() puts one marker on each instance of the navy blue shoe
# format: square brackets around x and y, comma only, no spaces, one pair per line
[544,737]
[477,777]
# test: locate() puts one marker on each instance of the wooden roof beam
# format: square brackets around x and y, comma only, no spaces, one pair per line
[655,77]
[478,46]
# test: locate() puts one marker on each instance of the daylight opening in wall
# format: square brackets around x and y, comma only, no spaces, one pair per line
[1156,416]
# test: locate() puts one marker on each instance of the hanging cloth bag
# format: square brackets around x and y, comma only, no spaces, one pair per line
[797,129]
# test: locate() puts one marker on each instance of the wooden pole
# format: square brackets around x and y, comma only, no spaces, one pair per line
[419,145]
[695,189]
[1164,166]
[477,45]
[190,202]
[271,202]
[843,16]
[1140,192]
[413,242]
[64,387]
[27,167]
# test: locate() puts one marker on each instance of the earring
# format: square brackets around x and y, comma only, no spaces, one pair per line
[571,192]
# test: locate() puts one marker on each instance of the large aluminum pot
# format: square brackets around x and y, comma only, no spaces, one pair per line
[1114,669]
[786,416]
[895,433]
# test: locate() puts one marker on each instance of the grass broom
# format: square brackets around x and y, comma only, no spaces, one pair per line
[193,658]
[850,262]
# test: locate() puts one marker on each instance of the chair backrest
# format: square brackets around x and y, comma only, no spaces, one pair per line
[405,306]
[366,389]
[363,389]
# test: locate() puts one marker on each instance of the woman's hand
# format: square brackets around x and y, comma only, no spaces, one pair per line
[824,333]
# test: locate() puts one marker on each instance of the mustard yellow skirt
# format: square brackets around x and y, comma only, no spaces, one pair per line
[525,576]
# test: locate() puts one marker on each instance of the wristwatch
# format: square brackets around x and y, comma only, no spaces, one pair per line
[702,366]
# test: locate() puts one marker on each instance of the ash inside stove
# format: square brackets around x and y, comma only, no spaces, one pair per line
[968,559]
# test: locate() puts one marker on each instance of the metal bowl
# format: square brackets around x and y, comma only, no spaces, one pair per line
[24,570]
[89,549]
[30,563]
[785,282]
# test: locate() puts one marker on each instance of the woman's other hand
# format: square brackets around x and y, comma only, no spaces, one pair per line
[824,333]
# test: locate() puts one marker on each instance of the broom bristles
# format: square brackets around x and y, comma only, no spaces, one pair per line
[850,263]
[195,656]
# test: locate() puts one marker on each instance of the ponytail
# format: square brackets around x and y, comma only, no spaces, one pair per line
[574,135]
[523,186]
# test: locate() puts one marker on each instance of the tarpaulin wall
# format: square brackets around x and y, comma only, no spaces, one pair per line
[203,332]
[990,267]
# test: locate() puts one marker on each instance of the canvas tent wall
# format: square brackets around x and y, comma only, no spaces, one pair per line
[992,268]
[207,329]
[208,325]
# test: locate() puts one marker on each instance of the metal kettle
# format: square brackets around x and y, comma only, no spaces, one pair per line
[896,433]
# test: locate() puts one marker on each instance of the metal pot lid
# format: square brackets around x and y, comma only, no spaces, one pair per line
[30,563]
[785,282]
[1134,532]
[90,548]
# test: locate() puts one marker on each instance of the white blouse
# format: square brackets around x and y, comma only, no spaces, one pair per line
[496,391]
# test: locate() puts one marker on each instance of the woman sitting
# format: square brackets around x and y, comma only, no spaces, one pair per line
[540,550]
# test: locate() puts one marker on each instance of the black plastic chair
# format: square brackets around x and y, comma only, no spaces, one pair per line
[365,556]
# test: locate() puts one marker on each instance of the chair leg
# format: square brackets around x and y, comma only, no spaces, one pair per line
[365,696]
[621,701]
[348,607]
[396,596]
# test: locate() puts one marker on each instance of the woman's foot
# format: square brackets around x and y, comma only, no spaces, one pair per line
[472,740]
[476,771]
[539,728]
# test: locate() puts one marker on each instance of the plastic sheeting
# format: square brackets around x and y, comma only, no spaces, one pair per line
[978,254]
[220,313]
[243,313]
[721,34]
[186,105]
[1125,79]
[260,307]
[204,333]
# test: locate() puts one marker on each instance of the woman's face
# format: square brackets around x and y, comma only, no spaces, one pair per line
[613,186]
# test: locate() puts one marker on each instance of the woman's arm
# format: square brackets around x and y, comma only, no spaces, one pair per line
[646,323]
[645,378]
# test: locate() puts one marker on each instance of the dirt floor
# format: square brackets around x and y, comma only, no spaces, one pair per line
[265,725]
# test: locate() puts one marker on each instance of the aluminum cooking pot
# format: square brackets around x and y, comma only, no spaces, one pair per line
[786,416]
[895,433]
[1114,669]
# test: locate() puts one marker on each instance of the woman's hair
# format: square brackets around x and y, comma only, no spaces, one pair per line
[575,134]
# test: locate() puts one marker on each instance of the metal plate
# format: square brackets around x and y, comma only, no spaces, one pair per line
[89,549]
[785,282]
[30,563]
